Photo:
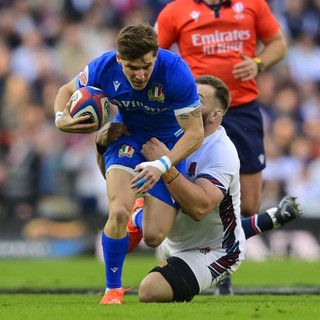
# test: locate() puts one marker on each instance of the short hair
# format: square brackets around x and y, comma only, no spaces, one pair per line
[221,90]
[136,40]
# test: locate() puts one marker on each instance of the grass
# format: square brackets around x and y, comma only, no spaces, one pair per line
[88,273]
[77,307]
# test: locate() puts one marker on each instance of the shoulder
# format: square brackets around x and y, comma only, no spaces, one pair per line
[179,4]
[171,62]
[107,58]
[225,152]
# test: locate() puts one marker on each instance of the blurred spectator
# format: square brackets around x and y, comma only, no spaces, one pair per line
[21,168]
[43,43]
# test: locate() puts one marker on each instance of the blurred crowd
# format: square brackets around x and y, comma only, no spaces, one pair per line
[43,44]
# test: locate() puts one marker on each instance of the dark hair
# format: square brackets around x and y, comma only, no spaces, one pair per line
[134,41]
[221,90]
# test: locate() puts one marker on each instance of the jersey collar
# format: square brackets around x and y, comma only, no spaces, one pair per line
[216,7]
[223,3]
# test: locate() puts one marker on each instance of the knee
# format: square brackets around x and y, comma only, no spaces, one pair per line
[153,240]
[119,214]
[146,293]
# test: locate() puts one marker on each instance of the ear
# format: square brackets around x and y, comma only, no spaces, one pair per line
[217,115]
[118,58]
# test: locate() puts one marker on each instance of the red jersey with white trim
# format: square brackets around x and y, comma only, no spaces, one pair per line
[211,45]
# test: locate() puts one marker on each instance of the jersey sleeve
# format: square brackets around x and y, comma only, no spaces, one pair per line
[183,89]
[266,24]
[90,75]
[167,33]
[220,165]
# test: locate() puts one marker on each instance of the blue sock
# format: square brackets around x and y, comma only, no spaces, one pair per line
[114,253]
[256,224]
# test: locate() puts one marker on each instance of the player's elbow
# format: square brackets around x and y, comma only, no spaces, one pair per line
[198,213]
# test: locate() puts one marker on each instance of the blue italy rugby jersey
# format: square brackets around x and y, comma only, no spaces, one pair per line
[149,111]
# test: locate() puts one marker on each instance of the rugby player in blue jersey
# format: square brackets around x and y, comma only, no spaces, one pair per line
[156,96]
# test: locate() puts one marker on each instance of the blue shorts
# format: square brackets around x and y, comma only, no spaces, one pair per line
[127,152]
[244,126]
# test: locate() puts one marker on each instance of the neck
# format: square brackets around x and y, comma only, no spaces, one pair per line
[210,129]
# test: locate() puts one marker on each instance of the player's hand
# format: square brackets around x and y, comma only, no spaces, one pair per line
[111,132]
[148,176]
[245,70]
[154,149]
[66,123]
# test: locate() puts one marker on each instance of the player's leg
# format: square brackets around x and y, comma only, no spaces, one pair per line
[114,238]
[149,292]
[251,188]
[158,218]
[134,227]
[244,126]
[185,275]
[287,211]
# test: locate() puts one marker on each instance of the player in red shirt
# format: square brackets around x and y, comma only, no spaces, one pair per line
[221,38]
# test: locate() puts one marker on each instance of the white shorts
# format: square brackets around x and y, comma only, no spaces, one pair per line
[208,266]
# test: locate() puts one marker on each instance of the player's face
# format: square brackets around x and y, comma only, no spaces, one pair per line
[138,72]
[206,94]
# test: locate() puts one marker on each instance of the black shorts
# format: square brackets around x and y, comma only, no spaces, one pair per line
[244,126]
[180,277]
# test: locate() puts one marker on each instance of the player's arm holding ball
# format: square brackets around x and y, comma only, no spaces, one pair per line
[64,121]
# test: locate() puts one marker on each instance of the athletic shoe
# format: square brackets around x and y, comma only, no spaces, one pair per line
[135,234]
[287,210]
[224,287]
[113,296]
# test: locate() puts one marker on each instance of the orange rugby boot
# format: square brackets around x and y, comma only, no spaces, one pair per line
[113,296]
[135,234]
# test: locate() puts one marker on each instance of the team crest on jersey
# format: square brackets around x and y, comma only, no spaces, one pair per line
[195,15]
[192,169]
[205,250]
[238,9]
[84,75]
[126,151]
[155,93]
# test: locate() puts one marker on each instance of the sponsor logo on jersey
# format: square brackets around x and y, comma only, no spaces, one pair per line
[116,85]
[192,169]
[221,42]
[155,93]
[131,105]
[195,15]
[126,151]
[205,250]
[238,9]
[84,76]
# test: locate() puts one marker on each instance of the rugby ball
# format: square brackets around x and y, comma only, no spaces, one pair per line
[90,101]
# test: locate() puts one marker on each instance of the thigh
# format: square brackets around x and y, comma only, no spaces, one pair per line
[208,266]
[158,218]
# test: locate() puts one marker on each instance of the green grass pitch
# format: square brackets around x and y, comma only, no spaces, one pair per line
[71,289]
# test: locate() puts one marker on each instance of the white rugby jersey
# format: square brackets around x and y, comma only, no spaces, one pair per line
[216,160]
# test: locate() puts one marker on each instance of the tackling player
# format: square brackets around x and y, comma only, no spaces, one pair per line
[221,38]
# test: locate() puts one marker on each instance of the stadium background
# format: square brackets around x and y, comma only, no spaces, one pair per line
[52,196]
